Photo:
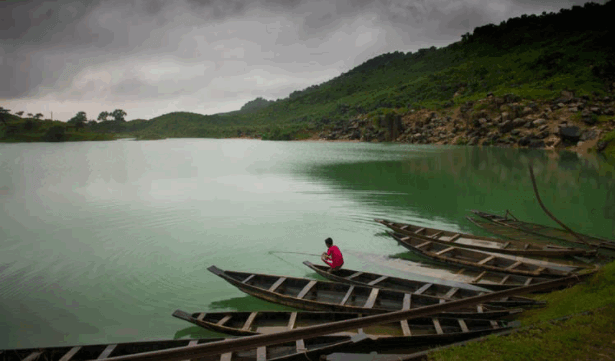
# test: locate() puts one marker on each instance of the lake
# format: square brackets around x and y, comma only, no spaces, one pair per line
[101,241]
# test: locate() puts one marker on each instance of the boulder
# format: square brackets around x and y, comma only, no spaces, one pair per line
[538,122]
[566,95]
[536,143]
[519,122]
[589,134]
[601,146]
[515,132]
[543,128]
[506,127]
[525,141]
[570,134]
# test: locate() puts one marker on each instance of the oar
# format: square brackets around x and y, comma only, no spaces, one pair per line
[308,254]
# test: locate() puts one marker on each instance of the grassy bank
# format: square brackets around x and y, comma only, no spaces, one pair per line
[581,336]
[18,130]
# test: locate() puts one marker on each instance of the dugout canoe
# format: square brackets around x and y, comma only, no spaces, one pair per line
[489,244]
[545,231]
[313,295]
[313,348]
[424,331]
[413,286]
[476,259]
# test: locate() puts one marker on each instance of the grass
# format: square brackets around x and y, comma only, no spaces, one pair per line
[580,337]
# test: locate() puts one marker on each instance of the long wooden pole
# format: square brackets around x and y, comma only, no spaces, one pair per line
[551,214]
[250,342]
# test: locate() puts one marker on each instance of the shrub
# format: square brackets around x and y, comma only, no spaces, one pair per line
[55,134]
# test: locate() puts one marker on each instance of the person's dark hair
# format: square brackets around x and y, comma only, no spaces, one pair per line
[329,242]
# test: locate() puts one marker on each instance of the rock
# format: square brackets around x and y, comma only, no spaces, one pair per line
[590,134]
[515,132]
[519,122]
[595,110]
[609,111]
[473,141]
[573,109]
[506,116]
[543,127]
[567,95]
[601,146]
[539,122]
[506,127]
[529,124]
[543,134]
[560,105]
[525,141]
[536,143]
[526,111]
[570,134]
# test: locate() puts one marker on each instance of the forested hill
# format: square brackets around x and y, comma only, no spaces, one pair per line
[534,57]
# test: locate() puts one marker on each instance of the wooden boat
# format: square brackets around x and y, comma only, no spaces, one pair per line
[489,244]
[546,231]
[425,330]
[476,259]
[313,348]
[316,295]
[412,286]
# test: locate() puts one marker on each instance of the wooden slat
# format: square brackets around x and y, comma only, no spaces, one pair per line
[70,353]
[454,237]
[407,301]
[261,353]
[527,245]
[503,281]
[33,356]
[483,261]
[506,245]
[439,253]
[437,325]
[404,227]
[378,280]
[107,352]
[423,244]
[372,298]
[423,289]
[201,316]
[478,278]
[540,269]
[436,235]
[462,324]
[347,297]
[292,320]
[480,309]
[451,293]
[277,284]
[248,324]
[306,289]
[494,324]
[224,320]
[461,271]
[528,281]
[419,230]
[356,274]
[300,345]
[248,279]
[226,356]
[405,328]
[514,265]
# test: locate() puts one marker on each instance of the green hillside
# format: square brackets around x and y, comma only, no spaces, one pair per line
[534,57]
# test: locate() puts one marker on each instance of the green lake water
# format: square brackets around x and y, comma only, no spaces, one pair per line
[101,241]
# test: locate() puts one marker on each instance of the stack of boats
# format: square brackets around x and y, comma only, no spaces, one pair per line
[361,312]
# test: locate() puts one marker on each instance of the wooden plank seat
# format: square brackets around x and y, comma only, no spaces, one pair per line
[371,300]
[107,351]
[306,289]
[248,279]
[347,296]
[378,280]
[446,250]
[277,284]
[423,288]
[463,325]
[483,261]
[248,323]
[70,353]
[223,320]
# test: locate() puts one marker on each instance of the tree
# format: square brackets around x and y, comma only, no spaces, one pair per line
[30,115]
[118,115]
[103,116]
[38,116]
[79,120]
[20,113]
[3,115]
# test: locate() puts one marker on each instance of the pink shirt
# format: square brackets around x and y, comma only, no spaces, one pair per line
[336,257]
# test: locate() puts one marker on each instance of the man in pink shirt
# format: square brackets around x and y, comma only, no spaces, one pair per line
[333,257]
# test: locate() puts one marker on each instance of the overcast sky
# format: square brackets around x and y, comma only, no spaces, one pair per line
[151,57]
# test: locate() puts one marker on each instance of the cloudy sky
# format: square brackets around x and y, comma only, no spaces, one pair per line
[151,57]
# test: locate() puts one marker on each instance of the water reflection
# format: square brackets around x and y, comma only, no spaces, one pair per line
[438,188]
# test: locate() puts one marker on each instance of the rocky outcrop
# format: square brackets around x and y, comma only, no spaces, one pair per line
[505,121]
